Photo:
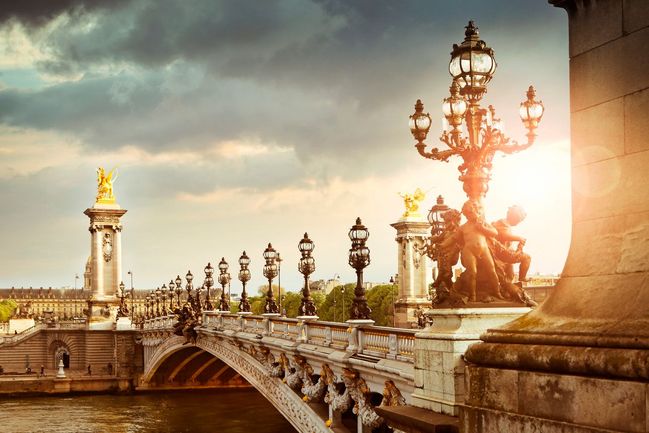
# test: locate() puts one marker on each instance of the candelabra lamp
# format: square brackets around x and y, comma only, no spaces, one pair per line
[472,66]
[476,135]
[359,259]
[270,272]
[306,267]
[244,277]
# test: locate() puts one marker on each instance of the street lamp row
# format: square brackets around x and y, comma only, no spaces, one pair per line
[359,257]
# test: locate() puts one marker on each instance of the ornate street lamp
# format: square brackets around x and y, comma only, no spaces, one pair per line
[122,311]
[188,287]
[244,277]
[146,307]
[306,267]
[158,294]
[163,294]
[172,287]
[224,279]
[179,290]
[270,272]
[435,216]
[472,66]
[359,258]
[209,282]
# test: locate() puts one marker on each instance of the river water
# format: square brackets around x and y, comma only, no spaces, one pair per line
[222,411]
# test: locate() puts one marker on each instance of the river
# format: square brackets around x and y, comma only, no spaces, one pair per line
[223,411]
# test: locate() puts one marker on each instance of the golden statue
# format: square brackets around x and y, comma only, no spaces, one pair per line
[411,202]
[105,186]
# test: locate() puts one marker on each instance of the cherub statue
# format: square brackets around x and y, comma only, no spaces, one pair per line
[446,250]
[411,202]
[476,254]
[505,256]
[105,185]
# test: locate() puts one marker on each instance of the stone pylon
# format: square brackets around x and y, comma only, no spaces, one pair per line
[413,270]
[105,259]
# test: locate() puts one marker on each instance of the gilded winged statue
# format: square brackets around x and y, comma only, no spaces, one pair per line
[411,202]
[105,185]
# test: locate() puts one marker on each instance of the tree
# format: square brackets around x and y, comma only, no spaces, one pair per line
[292,301]
[381,300]
[337,304]
[7,308]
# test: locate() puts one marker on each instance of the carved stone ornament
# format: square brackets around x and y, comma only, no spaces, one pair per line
[107,247]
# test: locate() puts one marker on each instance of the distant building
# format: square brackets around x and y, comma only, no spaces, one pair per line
[62,304]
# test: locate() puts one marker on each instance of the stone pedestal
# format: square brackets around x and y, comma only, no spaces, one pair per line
[405,311]
[19,325]
[414,275]
[439,368]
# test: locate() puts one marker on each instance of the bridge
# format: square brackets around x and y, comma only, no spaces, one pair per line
[319,375]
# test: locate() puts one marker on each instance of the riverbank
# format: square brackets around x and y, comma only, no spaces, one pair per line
[79,383]
[31,385]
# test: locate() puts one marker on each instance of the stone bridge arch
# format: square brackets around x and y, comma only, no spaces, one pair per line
[281,396]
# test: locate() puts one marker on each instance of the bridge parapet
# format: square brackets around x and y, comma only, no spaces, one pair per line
[375,341]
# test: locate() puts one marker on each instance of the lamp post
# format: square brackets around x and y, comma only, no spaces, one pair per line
[359,258]
[209,282]
[76,278]
[306,267]
[392,293]
[172,291]
[278,260]
[147,301]
[472,66]
[130,274]
[270,272]
[224,278]
[188,287]
[163,295]
[244,277]
[122,295]
[158,295]
[179,290]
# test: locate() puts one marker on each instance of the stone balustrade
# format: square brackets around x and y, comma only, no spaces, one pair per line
[374,341]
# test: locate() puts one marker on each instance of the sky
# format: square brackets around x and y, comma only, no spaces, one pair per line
[237,123]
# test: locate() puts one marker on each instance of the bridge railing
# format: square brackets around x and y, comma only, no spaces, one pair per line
[370,340]
[375,341]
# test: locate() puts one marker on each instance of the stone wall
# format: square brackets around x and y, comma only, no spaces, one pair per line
[97,348]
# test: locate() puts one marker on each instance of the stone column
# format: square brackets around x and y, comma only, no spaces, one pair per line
[580,361]
[98,264]
[413,272]
[117,276]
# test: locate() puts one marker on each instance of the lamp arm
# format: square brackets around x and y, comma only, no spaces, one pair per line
[435,153]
